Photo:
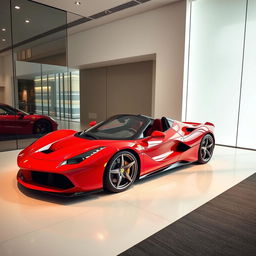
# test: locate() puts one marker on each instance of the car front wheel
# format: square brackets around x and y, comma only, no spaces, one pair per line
[121,172]
[42,127]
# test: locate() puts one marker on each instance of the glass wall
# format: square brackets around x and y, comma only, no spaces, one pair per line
[39,90]
[6,78]
[221,73]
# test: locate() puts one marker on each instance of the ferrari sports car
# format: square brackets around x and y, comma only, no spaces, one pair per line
[15,121]
[112,154]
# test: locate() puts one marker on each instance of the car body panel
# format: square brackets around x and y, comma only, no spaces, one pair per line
[180,142]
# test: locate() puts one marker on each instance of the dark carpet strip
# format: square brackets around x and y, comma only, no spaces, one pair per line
[225,225]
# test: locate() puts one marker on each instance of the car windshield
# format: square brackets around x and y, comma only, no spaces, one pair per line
[118,128]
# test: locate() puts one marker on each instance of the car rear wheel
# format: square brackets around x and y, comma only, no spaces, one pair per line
[206,149]
[121,172]
[42,127]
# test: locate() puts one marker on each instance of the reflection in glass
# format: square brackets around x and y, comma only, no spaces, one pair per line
[39,56]
[34,76]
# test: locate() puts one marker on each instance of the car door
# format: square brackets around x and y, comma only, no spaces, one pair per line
[11,122]
[7,121]
[160,152]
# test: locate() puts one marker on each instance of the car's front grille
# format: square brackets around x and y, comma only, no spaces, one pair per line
[51,179]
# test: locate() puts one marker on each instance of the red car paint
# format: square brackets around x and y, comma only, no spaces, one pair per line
[154,153]
[14,121]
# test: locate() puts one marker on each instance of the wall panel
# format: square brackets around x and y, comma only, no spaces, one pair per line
[247,118]
[215,65]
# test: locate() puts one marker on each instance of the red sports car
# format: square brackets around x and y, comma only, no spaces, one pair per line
[112,154]
[15,121]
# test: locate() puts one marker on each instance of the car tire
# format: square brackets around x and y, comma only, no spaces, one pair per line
[206,149]
[121,172]
[42,127]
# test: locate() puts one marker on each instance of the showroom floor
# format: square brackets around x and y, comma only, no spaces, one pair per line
[107,224]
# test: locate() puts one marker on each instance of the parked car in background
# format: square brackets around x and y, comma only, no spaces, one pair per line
[15,121]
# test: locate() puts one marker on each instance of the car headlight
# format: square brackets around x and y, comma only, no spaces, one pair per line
[79,158]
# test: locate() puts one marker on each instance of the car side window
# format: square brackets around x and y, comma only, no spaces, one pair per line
[3,112]
[6,111]
[170,122]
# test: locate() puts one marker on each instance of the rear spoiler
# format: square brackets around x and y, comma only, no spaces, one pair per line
[196,124]
[208,123]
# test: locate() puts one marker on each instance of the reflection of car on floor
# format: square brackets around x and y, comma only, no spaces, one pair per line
[112,154]
[15,121]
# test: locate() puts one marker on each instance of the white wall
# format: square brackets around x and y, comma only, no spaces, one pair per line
[215,65]
[247,117]
[160,32]
[222,69]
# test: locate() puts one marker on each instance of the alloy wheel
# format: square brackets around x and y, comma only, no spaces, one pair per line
[206,149]
[123,171]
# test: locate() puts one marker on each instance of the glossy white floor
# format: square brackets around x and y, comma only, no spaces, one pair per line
[33,224]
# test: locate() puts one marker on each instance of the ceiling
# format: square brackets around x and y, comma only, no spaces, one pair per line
[90,7]
[43,18]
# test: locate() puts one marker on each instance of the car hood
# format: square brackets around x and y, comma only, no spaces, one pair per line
[66,148]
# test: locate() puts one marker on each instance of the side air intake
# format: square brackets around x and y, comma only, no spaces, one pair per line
[182,147]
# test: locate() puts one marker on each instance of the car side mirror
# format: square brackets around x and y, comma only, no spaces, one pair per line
[92,123]
[157,134]
[20,115]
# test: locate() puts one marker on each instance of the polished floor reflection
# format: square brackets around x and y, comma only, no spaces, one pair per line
[107,224]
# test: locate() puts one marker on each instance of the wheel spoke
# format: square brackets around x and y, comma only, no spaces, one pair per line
[208,153]
[203,153]
[122,161]
[119,180]
[209,146]
[129,165]
[115,171]
[128,177]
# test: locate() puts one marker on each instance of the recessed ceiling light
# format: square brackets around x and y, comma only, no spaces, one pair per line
[27,20]
[107,12]
[17,7]
[3,39]
[77,3]
[4,29]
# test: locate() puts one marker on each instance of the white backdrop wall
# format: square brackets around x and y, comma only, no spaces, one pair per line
[160,31]
[220,88]
[247,117]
